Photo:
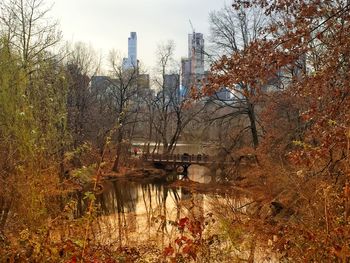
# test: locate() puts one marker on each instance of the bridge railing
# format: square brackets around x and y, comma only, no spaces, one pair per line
[176,158]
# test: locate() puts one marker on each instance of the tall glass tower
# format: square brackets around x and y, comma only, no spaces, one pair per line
[132,49]
[131,60]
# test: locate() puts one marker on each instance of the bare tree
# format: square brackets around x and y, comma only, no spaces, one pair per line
[162,101]
[29,29]
[123,87]
[231,32]
[82,65]
[170,113]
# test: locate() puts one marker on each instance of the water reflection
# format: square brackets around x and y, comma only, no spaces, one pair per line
[200,174]
[133,212]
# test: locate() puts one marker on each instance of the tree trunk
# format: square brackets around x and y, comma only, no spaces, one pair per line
[252,119]
[119,150]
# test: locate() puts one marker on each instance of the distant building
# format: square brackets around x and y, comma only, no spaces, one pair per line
[196,53]
[131,60]
[192,68]
[101,84]
[185,73]
[172,85]
[224,94]
[98,80]
[143,88]
[143,81]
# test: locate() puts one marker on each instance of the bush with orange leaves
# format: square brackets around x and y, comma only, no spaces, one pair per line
[304,163]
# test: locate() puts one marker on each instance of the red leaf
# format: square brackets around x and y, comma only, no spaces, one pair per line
[73,260]
[168,251]
[182,222]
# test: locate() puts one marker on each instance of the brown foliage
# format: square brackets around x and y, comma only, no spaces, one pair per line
[304,153]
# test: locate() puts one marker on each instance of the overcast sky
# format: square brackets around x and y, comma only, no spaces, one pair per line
[106,24]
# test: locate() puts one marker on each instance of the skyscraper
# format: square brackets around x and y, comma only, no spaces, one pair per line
[196,53]
[192,68]
[132,49]
[172,86]
[185,75]
[131,60]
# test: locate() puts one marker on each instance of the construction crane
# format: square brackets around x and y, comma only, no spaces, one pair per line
[191,26]
[192,55]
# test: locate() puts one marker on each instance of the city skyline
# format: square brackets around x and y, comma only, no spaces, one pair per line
[107,24]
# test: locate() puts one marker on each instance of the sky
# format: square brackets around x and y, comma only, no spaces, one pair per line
[106,24]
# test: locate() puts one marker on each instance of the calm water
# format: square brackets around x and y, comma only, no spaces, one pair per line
[135,212]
